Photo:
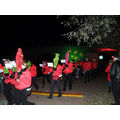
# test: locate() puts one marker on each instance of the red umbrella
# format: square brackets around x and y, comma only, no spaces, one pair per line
[19,59]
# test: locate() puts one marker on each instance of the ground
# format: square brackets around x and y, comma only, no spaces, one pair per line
[94,93]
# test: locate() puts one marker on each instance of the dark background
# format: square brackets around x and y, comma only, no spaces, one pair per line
[34,34]
[39,36]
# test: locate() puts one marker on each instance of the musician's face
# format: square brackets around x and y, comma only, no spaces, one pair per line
[24,65]
[6,62]
[86,59]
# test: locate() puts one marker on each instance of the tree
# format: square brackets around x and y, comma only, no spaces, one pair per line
[92,30]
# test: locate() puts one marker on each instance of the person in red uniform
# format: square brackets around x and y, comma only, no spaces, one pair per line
[46,75]
[8,87]
[68,76]
[94,69]
[107,70]
[81,63]
[56,78]
[22,83]
[33,70]
[87,66]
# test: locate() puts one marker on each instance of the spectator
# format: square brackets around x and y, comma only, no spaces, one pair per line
[115,77]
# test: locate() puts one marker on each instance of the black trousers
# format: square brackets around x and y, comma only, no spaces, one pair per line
[74,73]
[9,94]
[116,91]
[34,83]
[93,74]
[1,86]
[87,76]
[67,78]
[52,86]
[46,77]
[21,97]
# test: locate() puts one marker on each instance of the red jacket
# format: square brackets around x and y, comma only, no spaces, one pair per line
[50,69]
[69,69]
[1,67]
[33,70]
[81,63]
[94,65]
[75,64]
[87,66]
[7,77]
[24,80]
[63,65]
[45,69]
[107,70]
[58,72]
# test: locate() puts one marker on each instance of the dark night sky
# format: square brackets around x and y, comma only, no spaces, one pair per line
[36,29]
[31,33]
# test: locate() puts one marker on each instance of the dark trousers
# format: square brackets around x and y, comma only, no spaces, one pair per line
[93,74]
[67,78]
[34,83]
[74,73]
[9,94]
[21,97]
[52,86]
[109,86]
[45,77]
[116,91]
[1,86]
[87,76]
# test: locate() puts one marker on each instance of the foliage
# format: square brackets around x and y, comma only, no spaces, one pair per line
[90,30]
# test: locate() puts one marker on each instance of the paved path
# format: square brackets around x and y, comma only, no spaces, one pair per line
[94,93]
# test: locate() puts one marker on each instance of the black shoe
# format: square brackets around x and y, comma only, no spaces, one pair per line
[11,103]
[64,89]
[30,103]
[59,95]
[70,88]
[115,103]
[50,97]
[109,91]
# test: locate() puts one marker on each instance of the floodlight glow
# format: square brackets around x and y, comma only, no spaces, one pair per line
[100,57]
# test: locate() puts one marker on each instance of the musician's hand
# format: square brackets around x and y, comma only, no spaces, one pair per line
[17,80]
[18,71]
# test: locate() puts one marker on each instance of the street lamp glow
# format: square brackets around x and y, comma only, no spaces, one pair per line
[100,57]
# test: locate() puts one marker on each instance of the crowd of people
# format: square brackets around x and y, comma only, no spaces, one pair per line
[17,77]
[17,85]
